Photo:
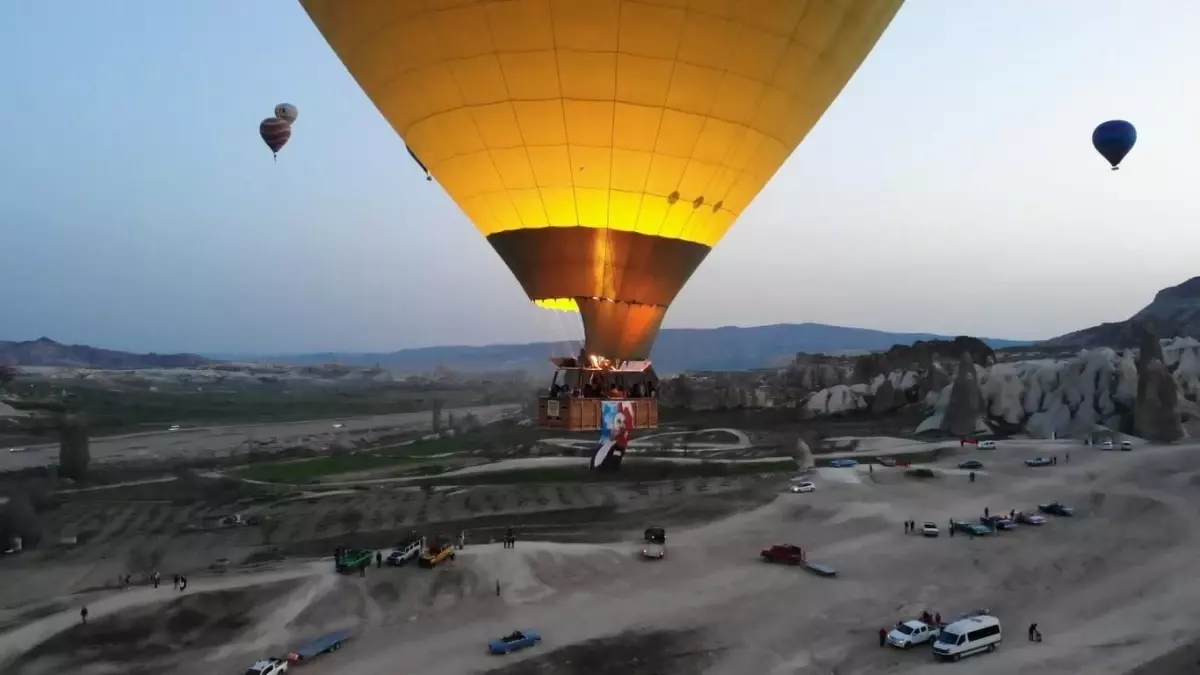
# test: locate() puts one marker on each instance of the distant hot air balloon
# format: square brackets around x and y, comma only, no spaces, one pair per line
[603,147]
[287,112]
[275,133]
[1113,140]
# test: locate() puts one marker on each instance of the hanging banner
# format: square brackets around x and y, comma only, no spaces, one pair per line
[616,421]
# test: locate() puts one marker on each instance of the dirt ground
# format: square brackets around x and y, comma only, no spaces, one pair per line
[1112,589]
[225,441]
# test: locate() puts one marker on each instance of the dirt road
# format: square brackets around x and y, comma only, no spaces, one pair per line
[234,439]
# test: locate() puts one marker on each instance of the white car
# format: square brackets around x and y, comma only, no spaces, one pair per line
[173,427]
[910,633]
[268,667]
[338,425]
[802,487]
[1106,445]
[1126,446]
[987,445]
[929,529]
[654,551]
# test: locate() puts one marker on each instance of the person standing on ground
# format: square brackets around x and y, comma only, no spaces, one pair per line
[1032,631]
[1068,458]
[154,578]
[937,619]
[83,616]
[362,569]
[378,560]
[182,583]
[986,512]
[882,637]
[497,588]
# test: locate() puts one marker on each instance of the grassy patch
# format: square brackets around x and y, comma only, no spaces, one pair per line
[630,472]
[305,470]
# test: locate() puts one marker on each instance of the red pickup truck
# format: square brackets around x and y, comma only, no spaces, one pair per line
[783,553]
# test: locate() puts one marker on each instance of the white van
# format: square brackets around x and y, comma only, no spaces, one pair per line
[966,637]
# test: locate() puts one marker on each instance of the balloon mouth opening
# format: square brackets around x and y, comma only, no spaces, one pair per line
[572,304]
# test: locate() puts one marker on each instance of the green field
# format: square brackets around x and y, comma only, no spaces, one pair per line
[630,472]
[300,471]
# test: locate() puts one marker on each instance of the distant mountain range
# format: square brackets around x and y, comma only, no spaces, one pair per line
[1174,312]
[47,352]
[676,350]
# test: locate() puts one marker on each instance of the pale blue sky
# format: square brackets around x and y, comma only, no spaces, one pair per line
[952,188]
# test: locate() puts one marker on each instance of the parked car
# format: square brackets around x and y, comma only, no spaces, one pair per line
[657,535]
[1038,461]
[971,464]
[1126,446]
[783,553]
[515,641]
[1106,445]
[654,551]
[972,528]
[987,445]
[1026,518]
[802,487]
[1056,509]
[929,529]
[843,463]
[908,634]
[268,667]
[998,522]
[887,461]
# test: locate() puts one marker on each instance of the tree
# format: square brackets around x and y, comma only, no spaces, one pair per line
[438,404]
[74,452]
[18,519]
[7,375]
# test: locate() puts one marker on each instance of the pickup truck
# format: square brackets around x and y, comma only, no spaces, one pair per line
[405,551]
[1056,509]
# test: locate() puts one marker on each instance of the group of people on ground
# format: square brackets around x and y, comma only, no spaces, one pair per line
[126,581]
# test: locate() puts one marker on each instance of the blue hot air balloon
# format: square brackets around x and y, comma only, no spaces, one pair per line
[1113,140]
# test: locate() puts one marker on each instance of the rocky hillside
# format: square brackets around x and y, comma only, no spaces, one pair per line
[1151,392]
[1174,311]
[47,352]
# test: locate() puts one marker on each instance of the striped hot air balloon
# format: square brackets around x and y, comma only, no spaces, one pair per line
[275,133]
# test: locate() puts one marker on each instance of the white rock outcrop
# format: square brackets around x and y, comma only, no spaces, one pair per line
[1048,397]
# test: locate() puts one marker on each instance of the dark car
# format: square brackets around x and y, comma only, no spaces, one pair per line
[972,528]
[1056,509]
[998,522]
[971,464]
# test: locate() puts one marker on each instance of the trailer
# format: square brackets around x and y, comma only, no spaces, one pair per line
[328,642]
[820,569]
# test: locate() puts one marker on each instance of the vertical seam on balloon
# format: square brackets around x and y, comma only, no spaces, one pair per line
[524,145]
[612,136]
[658,132]
[758,106]
[562,99]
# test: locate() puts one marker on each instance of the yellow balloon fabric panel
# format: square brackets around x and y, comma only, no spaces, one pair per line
[661,117]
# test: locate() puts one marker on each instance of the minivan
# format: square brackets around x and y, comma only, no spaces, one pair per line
[966,637]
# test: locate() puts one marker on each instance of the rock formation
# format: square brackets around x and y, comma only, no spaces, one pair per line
[961,417]
[1156,411]
[1093,390]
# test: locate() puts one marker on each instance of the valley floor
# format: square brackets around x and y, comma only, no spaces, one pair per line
[1111,589]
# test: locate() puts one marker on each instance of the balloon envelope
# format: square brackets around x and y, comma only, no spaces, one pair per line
[275,133]
[603,147]
[287,112]
[1113,140]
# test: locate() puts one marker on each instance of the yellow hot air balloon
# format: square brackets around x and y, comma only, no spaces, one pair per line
[603,147]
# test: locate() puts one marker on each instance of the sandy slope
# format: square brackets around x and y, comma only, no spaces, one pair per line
[1111,589]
